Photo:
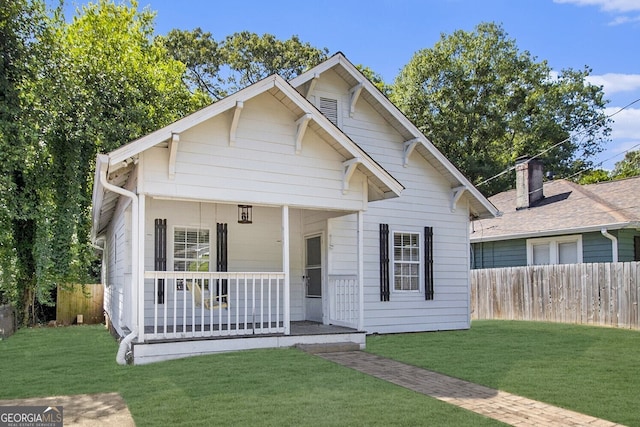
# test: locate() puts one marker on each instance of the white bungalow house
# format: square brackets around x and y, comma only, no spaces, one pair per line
[308,211]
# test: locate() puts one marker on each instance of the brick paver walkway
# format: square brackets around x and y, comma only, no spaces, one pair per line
[502,406]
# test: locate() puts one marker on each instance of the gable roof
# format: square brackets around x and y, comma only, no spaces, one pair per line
[566,208]
[479,205]
[119,163]
[291,98]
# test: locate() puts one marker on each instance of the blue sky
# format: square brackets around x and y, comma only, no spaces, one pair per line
[384,35]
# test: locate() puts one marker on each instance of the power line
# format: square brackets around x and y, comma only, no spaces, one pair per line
[510,168]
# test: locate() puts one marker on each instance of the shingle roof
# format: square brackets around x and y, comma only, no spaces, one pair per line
[566,207]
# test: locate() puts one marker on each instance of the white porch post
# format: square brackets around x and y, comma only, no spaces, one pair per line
[285,269]
[360,219]
[140,255]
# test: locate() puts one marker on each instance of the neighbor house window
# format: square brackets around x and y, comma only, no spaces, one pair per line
[554,250]
[406,261]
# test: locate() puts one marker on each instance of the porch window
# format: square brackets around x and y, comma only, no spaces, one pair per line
[191,250]
[555,250]
[406,261]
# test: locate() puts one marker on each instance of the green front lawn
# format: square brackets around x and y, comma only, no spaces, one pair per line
[263,387]
[591,370]
[586,369]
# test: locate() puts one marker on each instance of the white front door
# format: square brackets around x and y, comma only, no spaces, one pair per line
[313,278]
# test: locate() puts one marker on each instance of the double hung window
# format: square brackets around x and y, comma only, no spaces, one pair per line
[406,261]
[555,250]
[191,250]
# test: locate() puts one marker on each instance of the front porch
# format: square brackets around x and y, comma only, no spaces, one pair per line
[301,333]
[193,313]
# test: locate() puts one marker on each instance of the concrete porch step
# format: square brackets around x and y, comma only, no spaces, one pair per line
[335,347]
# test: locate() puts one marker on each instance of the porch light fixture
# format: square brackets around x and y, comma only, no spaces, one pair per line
[245,214]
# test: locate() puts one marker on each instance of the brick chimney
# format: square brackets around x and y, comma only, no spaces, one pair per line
[529,177]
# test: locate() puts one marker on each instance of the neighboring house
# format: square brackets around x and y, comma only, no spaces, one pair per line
[308,211]
[559,222]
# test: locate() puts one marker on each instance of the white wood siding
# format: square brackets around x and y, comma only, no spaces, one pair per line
[261,167]
[424,202]
[118,274]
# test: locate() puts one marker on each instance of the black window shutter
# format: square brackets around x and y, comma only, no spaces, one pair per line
[636,248]
[384,262]
[160,248]
[221,263]
[428,263]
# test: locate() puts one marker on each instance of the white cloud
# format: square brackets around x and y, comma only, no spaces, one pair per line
[621,20]
[626,123]
[614,83]
[619,6]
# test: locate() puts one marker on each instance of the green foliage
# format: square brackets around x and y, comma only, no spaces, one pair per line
[22,161]
[594,176]
[484,103]
[376,79]
[90,85]
[201,55]
[627,167]
[251,57]
[241,59]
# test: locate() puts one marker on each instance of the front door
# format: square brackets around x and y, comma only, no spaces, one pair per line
[313,278]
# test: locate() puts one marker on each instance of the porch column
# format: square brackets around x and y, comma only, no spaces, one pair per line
[360,220]
[140,255]
[285,270]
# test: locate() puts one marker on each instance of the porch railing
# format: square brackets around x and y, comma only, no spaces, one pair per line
[181,304]
[344,307]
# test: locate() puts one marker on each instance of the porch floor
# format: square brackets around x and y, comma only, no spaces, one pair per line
[302,333]
[298,328]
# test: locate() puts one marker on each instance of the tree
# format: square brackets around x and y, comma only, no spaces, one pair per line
[376,79]
[627,167]
[484,103]
[594,176]
[241,59]
[202,56]
[95,84]
[21,163]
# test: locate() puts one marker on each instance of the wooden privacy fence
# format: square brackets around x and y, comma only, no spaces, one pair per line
[601,294]
[86,300]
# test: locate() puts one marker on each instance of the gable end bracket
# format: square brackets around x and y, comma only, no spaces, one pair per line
[301,124]
[408,148]
[234,122]
[312,84]
[456,193]
[355,94]
[173,152]
[349,169]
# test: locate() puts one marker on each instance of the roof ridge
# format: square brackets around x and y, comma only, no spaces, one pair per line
[601,203]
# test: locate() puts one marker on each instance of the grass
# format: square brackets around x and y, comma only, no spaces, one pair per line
[591,370]
[263,387]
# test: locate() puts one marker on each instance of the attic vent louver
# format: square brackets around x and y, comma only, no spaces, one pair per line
[329,107]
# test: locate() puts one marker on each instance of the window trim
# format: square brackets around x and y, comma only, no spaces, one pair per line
[173,242]
[553,242]
[420,263]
